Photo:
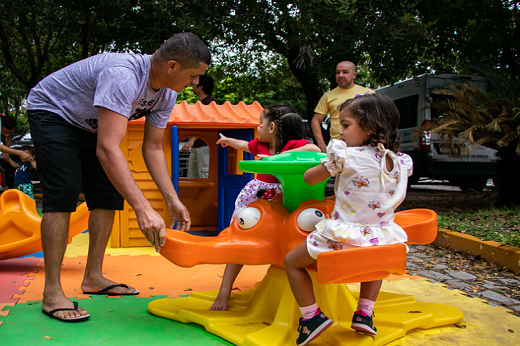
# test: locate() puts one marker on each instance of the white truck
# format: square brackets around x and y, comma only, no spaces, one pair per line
[432,162]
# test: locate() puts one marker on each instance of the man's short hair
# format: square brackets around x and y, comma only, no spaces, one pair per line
[207,84]
[185,48]
[8,122]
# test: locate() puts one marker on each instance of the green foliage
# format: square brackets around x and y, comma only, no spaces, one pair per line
[253,40]
[389,40]
[187,95]
[498,224]
[247,88]
[40,36]
[12,96]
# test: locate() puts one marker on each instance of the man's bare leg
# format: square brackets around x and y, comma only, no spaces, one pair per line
[54,229]
[99,228]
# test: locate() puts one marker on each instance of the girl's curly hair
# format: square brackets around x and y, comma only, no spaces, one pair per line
[377,114]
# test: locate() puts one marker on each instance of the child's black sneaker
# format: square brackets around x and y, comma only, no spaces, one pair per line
[361,322]
[312,328]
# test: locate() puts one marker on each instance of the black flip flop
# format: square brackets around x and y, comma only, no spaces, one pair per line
[106,289]
[70,320]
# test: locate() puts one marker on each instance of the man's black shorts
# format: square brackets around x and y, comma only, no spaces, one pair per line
[66,159]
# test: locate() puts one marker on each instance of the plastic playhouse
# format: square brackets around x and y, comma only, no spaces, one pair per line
[268,315]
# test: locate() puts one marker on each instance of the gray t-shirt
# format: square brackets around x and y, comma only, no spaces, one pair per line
[116,81]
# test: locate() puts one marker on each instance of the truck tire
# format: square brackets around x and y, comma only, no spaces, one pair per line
[466,184]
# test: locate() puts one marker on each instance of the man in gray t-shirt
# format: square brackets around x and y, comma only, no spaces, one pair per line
[78,117]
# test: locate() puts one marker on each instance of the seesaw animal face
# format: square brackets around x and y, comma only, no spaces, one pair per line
[262,233]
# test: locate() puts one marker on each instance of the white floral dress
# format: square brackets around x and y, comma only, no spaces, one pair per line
[366,196]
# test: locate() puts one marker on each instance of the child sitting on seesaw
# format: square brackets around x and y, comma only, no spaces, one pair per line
[371,182]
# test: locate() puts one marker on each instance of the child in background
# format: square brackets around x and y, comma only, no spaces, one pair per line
[371,177]
[281,129]
[25,170]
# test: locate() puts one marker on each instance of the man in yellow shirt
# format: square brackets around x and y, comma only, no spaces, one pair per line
[331,100]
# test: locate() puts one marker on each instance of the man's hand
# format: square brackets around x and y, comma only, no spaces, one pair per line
[188,145]
[153,227]
[24,156]
[180,214]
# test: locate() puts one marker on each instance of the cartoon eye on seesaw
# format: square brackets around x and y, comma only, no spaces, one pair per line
[247,217]
[306,220]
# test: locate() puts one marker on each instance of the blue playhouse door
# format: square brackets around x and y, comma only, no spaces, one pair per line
[230,185]
[175,157]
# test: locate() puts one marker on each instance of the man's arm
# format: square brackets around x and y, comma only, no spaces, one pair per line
[6,150]
[316,131]
[111,131]
[155,159]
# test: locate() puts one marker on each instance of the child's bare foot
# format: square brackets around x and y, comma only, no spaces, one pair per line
[221,302]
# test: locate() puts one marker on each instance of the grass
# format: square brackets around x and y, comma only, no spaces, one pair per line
[498,224]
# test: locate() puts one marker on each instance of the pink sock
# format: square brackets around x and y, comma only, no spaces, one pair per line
[310,311]
[366,305]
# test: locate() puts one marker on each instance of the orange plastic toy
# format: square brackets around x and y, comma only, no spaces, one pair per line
[20,224]
[263,233]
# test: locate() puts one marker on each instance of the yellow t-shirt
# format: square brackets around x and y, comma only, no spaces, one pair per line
[330,102]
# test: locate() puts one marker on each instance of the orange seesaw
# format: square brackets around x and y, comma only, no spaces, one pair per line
[263,233]
[20,224]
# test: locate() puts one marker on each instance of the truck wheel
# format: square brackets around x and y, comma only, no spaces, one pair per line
[476,184]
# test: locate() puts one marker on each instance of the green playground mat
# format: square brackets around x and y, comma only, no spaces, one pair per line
[114,321]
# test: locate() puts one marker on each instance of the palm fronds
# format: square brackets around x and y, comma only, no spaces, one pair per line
[471,117]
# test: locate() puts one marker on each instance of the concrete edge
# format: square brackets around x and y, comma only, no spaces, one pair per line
[492,251]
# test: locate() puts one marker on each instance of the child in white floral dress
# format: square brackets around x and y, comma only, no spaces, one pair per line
[371,182]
